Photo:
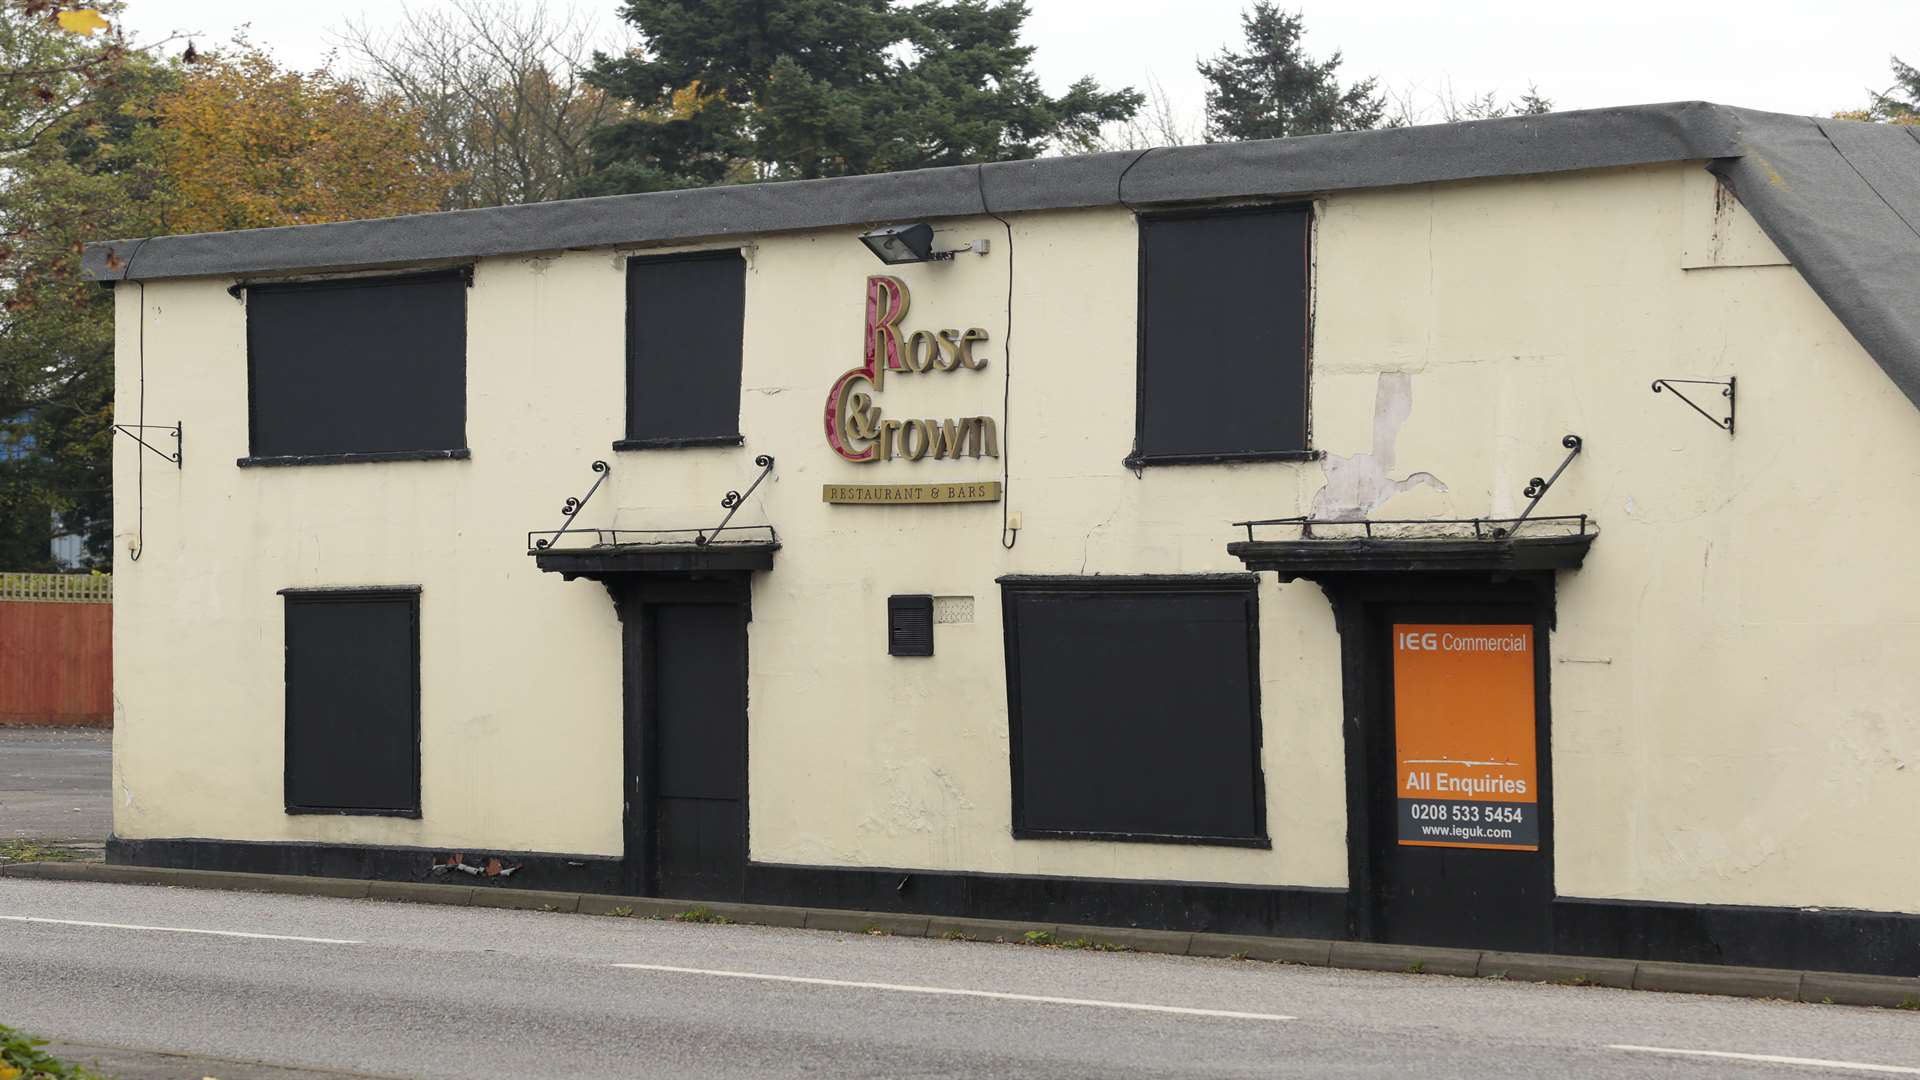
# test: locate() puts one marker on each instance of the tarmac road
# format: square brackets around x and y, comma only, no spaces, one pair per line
[397,990]
[56,784]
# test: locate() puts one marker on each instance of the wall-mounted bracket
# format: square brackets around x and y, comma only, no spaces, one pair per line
[573,506]
[1538,487]
[732,500]
[978,247]
[1727,389]
[132,431]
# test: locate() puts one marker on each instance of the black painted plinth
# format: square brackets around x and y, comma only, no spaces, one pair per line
[1822,939]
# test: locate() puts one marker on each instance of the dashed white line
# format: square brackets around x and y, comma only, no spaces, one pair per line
[180,930]
[1774,1059]
[997,995]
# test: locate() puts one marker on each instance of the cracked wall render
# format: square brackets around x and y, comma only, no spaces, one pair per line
[1732,668]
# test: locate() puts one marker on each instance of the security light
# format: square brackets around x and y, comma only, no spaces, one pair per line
[896,244]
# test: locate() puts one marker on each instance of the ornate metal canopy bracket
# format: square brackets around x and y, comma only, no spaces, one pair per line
[132,431]
[1726,391]
[1538,487]
[574,506]
[732,500]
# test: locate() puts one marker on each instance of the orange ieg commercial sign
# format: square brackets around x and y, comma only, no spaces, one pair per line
[1465,754]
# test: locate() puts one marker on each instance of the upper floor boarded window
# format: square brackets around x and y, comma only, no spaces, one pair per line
[357,369]
[1224,324]
[686,314]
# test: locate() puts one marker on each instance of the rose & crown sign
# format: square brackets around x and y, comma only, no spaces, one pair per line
[857,429]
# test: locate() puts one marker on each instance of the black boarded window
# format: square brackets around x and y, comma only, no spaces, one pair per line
[1134,709]
[358,366]
[353,701]
[1223,336]
[685,318]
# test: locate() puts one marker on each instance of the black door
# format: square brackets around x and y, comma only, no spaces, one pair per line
[687,759]
[1459,819]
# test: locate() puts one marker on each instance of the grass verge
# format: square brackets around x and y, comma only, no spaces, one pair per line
[36,851]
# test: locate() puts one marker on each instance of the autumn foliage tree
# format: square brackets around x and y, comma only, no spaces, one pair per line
[243,143]
[102,139]
[73,102]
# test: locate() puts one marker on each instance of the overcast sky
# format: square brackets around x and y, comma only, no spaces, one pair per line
[1796,57]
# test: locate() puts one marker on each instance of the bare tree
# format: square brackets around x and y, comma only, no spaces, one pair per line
[1404,107]
[1488,106]
[1157,123]
[1414,104]
[1160,123]
[498,83]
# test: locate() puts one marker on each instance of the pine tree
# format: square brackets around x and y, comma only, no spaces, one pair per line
[1890,105]
[1533,103]
[1274,89]
[733,90]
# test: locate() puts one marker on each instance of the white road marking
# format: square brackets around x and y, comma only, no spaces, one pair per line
[181,930]
[1774,1059]
[994,994]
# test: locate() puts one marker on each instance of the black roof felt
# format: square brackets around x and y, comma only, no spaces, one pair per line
[1840,198]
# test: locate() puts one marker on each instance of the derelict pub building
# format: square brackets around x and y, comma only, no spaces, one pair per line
[1463,535]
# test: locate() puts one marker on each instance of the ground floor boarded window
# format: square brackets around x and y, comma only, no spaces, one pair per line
[1134,708]
[353,701]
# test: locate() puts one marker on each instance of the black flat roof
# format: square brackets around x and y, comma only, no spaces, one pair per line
[1840,198]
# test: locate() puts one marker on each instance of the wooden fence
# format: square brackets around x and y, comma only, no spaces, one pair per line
[56,649]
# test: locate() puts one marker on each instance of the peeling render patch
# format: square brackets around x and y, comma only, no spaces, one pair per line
[1356,486]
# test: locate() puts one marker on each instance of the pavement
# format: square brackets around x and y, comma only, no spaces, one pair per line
[263,982]
[56,784]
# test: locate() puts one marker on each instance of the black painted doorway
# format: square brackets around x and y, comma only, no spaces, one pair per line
[1419,892]
[686,812]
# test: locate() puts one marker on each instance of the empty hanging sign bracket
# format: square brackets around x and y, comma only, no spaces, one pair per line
[1727,389]
[132,431]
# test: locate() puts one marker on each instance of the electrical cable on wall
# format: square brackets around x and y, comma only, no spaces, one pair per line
[140,463]
[1008,537]
[137,431]
[1120,183]
[140,459]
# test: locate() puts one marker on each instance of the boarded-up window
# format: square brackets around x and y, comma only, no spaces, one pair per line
[353,701]
[686,315]
[1223,336]
[357,367]
[1134,708]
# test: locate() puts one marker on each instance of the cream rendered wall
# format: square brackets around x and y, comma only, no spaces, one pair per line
[862,759]
[517,747]
[1729,669]
[1732,669]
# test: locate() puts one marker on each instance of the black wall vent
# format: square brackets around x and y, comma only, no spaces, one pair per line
[910,626]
